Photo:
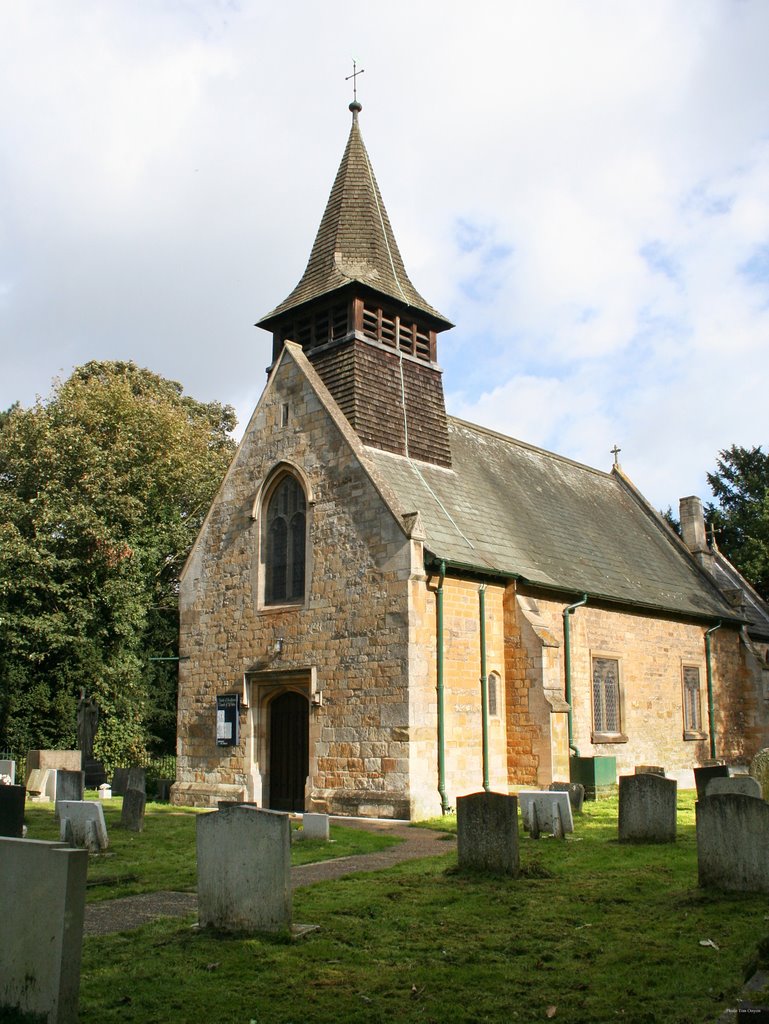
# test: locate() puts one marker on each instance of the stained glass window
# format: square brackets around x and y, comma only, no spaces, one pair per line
[606,695]
[285,524]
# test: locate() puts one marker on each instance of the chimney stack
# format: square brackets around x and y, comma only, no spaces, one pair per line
[693,531]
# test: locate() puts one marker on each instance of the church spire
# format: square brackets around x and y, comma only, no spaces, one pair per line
[355,242]
[361,322]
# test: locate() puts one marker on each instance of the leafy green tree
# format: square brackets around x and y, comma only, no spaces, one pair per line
[103,488]
[740,515]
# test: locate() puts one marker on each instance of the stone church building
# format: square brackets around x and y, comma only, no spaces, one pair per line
[388,607]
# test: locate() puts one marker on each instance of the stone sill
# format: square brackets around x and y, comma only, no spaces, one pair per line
[695,735]
[608,737]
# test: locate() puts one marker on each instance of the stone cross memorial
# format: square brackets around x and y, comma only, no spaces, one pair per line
[732,843]
[244,870]
[487,833]
[647,809]
[42,907]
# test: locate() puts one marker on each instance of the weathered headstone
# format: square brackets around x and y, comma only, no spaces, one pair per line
[647,809]
[8,768]
[743,784]
[244,870]
[487,833]
[69,760]
[132,813]
[12,811]
[576,793]
[649,769]
[759,770]
[732,843]
[43,925]
[41,785]
[137,779]
[120,781]
[546,811]
[702,776]
[163,790]
[69,786]
[82,824]
[315,826]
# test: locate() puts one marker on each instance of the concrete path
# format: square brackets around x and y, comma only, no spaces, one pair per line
[133,911]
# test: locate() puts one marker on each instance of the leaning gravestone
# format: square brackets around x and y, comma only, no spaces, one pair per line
[137,779]
[647,809]
[702,776]
[132,813]
[732,843]
[12,811]
[120,781]
[487,833]
[759,770]
[543,811]
[43,925]
[82,824]
[576,793]
[244,870]
[734,784]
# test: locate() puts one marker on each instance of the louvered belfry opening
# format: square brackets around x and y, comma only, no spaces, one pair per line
[366,329]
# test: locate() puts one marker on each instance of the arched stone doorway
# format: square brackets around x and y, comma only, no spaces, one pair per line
[289,751]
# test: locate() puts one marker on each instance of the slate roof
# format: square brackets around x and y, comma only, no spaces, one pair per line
[355,241]
[755,608]
[509,509]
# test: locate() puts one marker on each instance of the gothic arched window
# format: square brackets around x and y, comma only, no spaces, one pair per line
[284,536]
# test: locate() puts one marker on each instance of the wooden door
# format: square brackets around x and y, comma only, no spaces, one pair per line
[289,751]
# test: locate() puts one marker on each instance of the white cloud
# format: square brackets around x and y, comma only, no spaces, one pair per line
[579,185]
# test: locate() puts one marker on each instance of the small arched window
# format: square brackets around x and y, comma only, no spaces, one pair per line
[284,536]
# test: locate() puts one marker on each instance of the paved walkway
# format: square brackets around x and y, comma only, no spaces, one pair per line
[133,911]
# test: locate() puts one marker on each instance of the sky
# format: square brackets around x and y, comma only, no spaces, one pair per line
[581,186]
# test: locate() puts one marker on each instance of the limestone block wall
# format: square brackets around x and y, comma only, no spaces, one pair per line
[346,646]
[651,652]
[462,692]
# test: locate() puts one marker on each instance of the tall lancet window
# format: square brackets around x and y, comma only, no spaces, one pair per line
[285,529]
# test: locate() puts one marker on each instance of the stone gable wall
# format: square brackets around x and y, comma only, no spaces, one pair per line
[348,642]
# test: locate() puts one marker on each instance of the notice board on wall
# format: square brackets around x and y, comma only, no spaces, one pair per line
[227,720]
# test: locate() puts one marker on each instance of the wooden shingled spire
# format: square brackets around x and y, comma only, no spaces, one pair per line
[363,324]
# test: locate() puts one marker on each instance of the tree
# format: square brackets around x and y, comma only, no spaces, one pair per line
[103,488]
[740,516]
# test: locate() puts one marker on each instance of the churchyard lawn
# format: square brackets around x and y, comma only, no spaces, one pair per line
[592,931]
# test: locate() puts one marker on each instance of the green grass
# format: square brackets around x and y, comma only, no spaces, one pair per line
[601,931]
[163,855]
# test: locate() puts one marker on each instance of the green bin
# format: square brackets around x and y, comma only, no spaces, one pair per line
[597,774]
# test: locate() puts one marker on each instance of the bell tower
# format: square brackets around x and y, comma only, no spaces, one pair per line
[366,329]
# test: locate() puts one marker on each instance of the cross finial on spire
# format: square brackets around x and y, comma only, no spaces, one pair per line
[615,452]
[355,107]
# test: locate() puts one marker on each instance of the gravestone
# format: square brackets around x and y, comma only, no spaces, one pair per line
[315,826]
[120,781]
[8,768]
[163,790]
[132,813]
[487,833]
[82,824]
[759,770]
[244,870]
[647,809]
[576,793]
[649,769]
[43,925]
[545,811]
[702,776]
[137,779]
[12,811]
[734,784]
[732,843]
[69,760]
[41,785]
[69,786]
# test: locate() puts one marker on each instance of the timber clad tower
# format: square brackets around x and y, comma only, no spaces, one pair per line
[363,325]
[387,607]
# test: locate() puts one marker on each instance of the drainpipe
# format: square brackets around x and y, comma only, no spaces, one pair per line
[441,721]
[711,708]
[567,665]
[484,686]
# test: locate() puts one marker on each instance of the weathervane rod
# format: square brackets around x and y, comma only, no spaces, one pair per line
[354,77]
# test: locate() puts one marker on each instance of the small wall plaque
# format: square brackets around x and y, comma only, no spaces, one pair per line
[227,720]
